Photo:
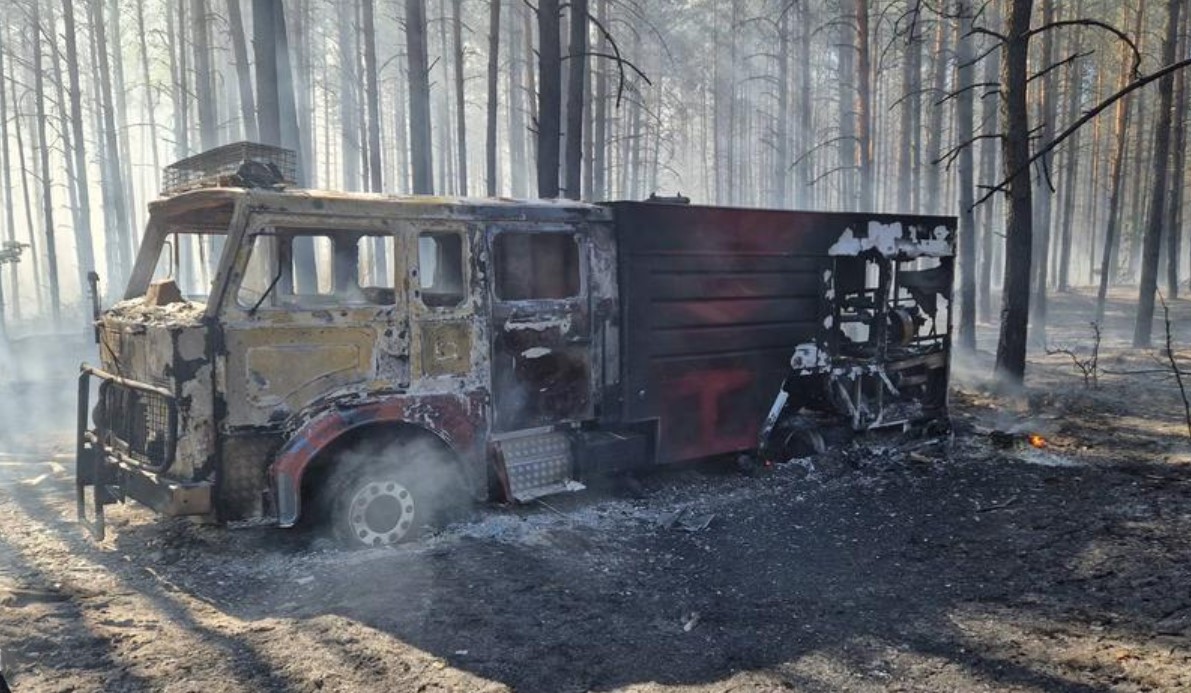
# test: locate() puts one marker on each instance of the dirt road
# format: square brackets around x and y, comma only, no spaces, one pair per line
[893,565]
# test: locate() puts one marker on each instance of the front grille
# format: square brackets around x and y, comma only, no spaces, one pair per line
[140,423]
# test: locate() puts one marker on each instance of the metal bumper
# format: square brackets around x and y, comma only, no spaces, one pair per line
[113,476]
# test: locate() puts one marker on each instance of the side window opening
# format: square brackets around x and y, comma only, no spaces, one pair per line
[536,266]
[289,269]
[440,268]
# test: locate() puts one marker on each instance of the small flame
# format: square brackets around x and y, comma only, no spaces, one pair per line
[1036,440]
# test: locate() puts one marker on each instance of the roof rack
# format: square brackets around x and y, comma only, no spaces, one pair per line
[238,165]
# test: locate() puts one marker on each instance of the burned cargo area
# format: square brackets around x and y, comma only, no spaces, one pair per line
[962,560]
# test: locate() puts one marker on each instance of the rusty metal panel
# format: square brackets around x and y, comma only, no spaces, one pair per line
[714,301]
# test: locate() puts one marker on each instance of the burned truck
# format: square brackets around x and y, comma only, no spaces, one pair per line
[374,361]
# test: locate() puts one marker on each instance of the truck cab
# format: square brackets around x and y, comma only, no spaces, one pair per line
[369,359]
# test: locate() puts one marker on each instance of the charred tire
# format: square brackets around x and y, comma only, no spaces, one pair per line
[392,496]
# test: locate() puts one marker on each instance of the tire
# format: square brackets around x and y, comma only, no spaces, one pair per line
[392,495]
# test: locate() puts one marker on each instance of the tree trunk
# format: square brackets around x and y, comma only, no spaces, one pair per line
[47,183]
[549,98]
[599,159]
[243,77]
[204,86]
[518,185]
[460,104]
[577,69]
[150,92]
[10,224]
[964,112]
[1070,173]
[846,89]
[908,159]
[1015,309]
[1178,171]
[781,135]
[933,201]
[1108,258]
[26,185]
[1157,208]
[84,253]
[492,111]
[178,68]
[805,111]
[373,98]
[116,231]
[864,99]
[351,156]
[264,45]
[1042,193]
[422,164]
[988,169]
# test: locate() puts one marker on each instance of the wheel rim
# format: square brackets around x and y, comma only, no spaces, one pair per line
[381,513]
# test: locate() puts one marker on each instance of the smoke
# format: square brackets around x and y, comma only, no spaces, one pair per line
[38,387]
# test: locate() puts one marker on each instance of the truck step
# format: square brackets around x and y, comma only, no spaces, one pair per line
[537,463]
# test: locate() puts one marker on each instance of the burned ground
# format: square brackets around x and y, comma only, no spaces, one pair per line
[894,564]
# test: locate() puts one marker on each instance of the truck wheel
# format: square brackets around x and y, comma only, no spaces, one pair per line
[385,499]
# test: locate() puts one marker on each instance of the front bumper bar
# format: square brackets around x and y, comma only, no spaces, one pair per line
[113,475]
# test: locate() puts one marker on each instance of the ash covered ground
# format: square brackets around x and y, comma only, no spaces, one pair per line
[891,564]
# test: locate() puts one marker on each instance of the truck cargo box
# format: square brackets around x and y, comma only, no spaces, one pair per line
[713,302]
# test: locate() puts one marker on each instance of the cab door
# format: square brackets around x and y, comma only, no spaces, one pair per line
[541,325]
[317,310]
[444,332]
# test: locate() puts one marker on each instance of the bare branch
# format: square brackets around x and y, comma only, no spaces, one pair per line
[1133,71]
[1066,61]
[1087,116]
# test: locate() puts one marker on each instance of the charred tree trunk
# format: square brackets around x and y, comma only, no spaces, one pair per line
[988,167]
[1015,310]
[518,184]
[1178,170]
[460,104]
[908,161]
[492,110]
[964,112]
[372,96]
[864,98]
[1042,193]
[549,97]
[422,164]
[577,73]
[1157,208]
[599,159]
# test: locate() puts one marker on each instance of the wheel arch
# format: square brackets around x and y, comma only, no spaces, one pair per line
[307,458]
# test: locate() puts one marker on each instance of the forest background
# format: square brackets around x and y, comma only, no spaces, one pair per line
[1006,113]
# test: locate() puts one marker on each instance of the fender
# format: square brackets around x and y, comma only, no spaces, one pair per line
[459,421]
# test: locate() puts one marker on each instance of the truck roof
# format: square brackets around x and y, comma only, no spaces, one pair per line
[177,208]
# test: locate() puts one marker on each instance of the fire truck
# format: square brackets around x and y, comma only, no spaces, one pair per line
[374,362]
